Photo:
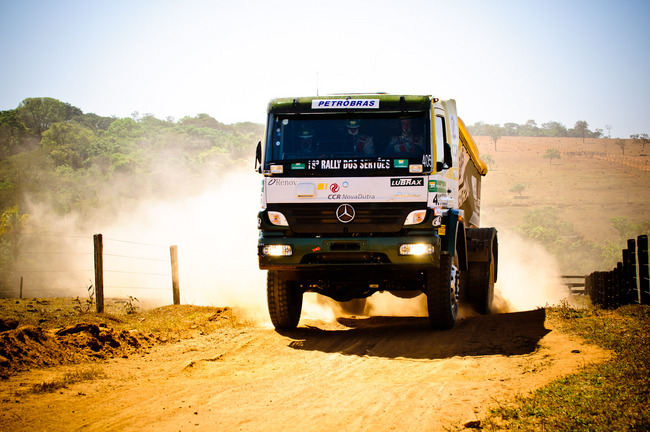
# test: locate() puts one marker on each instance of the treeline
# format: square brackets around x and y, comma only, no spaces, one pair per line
[531,129]
[53,152]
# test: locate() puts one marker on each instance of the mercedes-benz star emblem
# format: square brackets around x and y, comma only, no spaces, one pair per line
[345,213]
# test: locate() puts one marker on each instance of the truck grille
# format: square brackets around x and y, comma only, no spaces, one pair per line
[369,217]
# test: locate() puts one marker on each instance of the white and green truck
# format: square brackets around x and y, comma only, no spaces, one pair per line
[365,193]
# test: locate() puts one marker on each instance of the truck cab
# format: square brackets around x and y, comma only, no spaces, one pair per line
[366,193]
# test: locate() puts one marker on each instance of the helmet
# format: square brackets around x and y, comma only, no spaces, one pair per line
[352,124]
[306,134]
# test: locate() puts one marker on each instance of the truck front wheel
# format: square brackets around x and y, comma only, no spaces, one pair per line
[442,293]
[284,301]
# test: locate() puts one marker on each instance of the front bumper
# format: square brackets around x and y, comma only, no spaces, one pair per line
[347,253]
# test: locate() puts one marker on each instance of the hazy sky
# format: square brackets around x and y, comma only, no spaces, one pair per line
[503,61]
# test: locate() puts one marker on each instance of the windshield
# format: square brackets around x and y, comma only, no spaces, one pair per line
[330,141]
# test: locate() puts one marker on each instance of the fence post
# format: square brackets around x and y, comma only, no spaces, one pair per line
[644,283]
[633,290]
[21,287]
[173,252]
[99,272]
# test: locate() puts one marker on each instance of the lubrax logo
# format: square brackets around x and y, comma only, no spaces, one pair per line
[406,181]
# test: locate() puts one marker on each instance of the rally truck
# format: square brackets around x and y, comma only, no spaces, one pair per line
[366,193]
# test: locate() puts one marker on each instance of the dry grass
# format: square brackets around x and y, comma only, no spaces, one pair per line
[60,312]
[605,397]
[587,190]
[88,373]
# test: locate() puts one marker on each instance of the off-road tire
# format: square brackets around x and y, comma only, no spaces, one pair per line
[284,301]
[442,302]
[478,282]
[480,286]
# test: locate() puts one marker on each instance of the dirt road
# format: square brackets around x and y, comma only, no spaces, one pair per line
[379,374]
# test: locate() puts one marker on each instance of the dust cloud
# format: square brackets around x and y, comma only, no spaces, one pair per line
[529,276]
[215,231]
[216,234]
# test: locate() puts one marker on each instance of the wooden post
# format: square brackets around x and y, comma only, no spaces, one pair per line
[633,289]
[21,287]
[173,253]
[99,272]
[644,273]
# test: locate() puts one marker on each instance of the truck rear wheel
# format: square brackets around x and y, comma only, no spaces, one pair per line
[442,293]
[284,301]
[480,286]
[481,275]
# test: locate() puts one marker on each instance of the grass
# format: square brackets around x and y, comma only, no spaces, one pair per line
[613,396]
[172,321]
[76,376]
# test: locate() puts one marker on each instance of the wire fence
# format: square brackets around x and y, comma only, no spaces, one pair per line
[46,265]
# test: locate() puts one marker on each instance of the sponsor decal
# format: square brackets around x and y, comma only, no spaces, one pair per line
[298,166]
[437,221]
[400,163]
[337,196]
[437,186]
[281,182]
[400,195]
[348,164]
[333,187]
[407,181]
[344,103]
[442,230]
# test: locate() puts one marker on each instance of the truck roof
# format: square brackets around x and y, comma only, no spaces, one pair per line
[386,102]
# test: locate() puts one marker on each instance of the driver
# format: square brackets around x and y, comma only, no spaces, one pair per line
[407,141]
[306,141]
[360,143]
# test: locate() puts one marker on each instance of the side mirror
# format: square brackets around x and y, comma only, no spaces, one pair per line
[258,157]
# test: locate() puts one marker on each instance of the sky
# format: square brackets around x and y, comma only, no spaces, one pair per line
[502,61]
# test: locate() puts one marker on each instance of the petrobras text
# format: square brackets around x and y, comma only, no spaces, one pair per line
[344,103]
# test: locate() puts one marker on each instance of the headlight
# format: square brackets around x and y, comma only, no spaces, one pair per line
[278,218]
[416,249]
[277,250]
[415,217]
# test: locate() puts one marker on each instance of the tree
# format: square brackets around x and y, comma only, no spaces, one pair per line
[39,113]
[94,122]
[554,129]
[529,129]
[13,133]
[641,138]
[609,130]
[621,144]
[581,128]
[495,132]
[68,143]
[11,226]
[552,154]
[518,188]
[510,129]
